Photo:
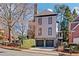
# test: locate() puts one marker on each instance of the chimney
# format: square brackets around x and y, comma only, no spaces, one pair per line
[35,9]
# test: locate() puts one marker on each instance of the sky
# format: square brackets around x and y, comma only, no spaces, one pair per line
[42,6]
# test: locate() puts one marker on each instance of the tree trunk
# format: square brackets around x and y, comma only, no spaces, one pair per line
[9,34]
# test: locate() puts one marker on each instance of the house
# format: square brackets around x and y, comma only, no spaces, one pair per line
[74,31]
[45,29]
[59,33]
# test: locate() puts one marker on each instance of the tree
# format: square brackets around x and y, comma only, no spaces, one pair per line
[65,24]
[30,34]
[74,13]
[21,25]
[68,15]
[65,17]
[10,14]
[60,10]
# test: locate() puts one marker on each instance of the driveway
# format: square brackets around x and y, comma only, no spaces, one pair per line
[44,49]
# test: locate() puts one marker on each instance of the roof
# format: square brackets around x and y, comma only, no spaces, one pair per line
[76,19]
[45,13]
[73,25]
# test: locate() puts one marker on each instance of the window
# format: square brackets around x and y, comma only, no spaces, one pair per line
[40,20]
[40,31]
[50,31]
[50,20]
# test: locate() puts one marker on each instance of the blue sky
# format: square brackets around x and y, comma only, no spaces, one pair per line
[42,6]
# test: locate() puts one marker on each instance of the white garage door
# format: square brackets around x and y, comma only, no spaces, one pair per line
[76,40]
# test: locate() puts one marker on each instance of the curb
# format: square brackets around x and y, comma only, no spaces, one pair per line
[10,48]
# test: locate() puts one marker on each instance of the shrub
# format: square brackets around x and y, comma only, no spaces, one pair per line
[65,44]
[28,43]
[74,47]
[21,38]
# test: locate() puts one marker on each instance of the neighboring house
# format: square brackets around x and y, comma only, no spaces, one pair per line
[59,33]
[45,29]
[74,31]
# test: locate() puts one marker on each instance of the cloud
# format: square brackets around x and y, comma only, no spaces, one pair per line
[50,10]
[77,9]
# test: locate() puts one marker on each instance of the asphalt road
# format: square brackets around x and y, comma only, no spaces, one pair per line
[5,52]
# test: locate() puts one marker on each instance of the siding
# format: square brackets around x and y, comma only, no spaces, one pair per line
[45,26]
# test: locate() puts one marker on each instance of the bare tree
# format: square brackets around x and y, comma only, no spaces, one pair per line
[11,13]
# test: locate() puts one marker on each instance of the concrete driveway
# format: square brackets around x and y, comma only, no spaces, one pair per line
[43,49]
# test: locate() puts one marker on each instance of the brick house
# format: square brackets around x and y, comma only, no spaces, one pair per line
[74,31]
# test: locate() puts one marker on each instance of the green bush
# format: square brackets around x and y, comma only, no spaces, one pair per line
[74,47]
[28,43]
[21,38]
[65,44]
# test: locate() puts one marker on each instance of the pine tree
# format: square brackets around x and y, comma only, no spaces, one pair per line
[74,13]
[65,23]
[67,15]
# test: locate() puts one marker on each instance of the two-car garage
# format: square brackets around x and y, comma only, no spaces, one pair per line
[44,43]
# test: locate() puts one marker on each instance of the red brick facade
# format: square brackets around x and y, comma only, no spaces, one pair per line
[74,30]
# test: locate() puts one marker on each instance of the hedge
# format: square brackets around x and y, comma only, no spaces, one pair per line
[28,43]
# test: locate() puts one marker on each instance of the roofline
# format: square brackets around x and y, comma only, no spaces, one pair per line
[46,15]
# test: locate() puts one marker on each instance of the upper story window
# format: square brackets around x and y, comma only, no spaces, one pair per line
[50,20]
[40,31]
[40,20]
[50,31]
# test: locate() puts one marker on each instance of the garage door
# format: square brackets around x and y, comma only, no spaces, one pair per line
[39,43]
[76,40]
[49,43]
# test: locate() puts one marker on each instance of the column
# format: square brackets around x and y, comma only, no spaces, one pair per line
[44,43]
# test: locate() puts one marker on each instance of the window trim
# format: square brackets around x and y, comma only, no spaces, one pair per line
[49,30]
[40,20]
[50,20]
[40,31]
